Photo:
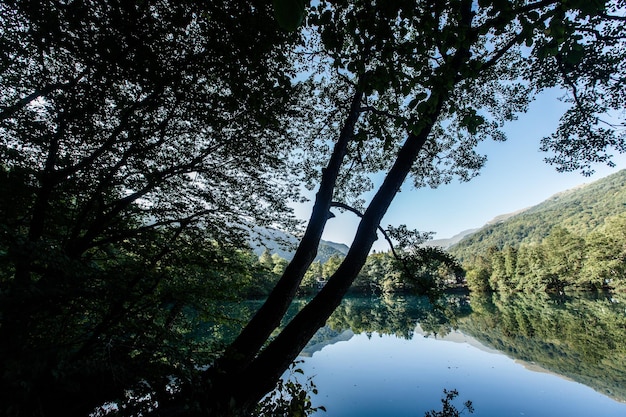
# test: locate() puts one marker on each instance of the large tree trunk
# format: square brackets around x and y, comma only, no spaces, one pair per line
[261,375]
[217,393]
[245,347]
[246,373]
[266,369]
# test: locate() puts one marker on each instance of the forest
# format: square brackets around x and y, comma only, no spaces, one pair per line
[144,144]
[578,337]
[576,240]
[563,260]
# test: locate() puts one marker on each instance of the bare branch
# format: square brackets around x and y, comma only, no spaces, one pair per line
[380,228]
[11,110]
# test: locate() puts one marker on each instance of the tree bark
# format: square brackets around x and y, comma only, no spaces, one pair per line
[245,373]
[242,351]
[261,375]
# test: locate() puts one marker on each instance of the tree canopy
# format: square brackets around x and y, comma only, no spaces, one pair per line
[410,88]
[139,141]
[138,137]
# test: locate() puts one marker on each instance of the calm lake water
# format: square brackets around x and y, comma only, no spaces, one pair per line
[511,356]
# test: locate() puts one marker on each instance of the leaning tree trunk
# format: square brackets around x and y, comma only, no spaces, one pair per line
[242,351]
[245,374]
[215,393]
[262,374]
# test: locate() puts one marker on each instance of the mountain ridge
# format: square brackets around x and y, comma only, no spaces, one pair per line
[580,209]
[284,245]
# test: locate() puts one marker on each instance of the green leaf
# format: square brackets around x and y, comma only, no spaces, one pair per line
[289,13]
[574,56]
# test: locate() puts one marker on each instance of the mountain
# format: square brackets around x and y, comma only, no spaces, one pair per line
[446,243]
[284,245]
[327,249]
[581,210]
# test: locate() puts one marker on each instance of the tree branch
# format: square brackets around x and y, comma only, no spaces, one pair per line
[11,110]
[243,350]
[372,109]
[499,19]
[613,17]
[380,228]
[276,357]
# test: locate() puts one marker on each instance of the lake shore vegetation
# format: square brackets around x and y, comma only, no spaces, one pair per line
[142,144]
[560,262]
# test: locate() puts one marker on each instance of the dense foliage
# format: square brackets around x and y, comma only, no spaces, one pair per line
[420,271]
[576,240]
[580,338]
[138,143]
[416,271]
[563,260]
[581,211]
[141,142]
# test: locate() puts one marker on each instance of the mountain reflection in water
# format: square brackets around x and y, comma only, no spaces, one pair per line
[514,355]
[573,340]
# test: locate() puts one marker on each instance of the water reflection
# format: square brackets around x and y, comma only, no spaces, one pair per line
[376,360]
[398,315]
[582,337]
[394,342]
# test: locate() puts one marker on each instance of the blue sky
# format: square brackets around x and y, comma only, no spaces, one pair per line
[514,177]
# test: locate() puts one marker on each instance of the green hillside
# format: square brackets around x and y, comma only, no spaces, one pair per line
[580,210]
[284,245]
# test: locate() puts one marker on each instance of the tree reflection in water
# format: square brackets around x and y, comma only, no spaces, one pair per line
[581,337]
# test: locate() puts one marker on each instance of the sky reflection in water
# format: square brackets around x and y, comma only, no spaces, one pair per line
[390,376]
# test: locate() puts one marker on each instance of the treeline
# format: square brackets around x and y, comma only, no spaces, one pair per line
[562,260]
[581,211]
[414,271]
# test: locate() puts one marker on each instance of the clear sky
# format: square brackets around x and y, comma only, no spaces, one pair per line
[514,177]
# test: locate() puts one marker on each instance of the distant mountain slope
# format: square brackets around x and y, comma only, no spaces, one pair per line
[446,243]
[284,244]
[581,210]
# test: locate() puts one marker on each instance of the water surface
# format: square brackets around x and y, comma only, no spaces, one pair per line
[511,356]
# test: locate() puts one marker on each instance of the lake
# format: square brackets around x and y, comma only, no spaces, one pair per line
[510,355]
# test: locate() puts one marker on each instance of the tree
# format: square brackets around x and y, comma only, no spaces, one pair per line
[139,141]
[279,264]
[330,266]
[563,257]
[510,262]
[311,281]
[266,260]
[605,260]
[408,88]
[374,273]
[498,279]
[413,87]
[428,270]
[478,279]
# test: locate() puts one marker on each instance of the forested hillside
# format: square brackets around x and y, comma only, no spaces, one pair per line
[284,245]
[580,210]
[576,239]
